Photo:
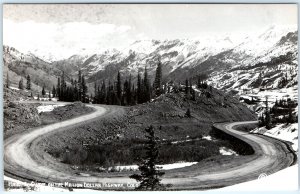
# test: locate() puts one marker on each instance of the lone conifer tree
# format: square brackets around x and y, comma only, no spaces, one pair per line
[7,81]
[43,91]
[28,84]
[186,86]
[150,174]
[188,113]
[268,116]
[21,86]
[53,92]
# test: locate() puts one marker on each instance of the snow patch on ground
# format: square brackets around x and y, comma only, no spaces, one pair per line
[181,141]
[163,167]
[208,137]
[48,108]
[284,180]
[13,88]
[286,132]
[227,152]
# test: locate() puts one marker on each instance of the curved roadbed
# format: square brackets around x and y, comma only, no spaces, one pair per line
[24,161]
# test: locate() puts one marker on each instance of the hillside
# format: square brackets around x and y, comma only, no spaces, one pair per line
[21,115]
[167,111]
[19,65]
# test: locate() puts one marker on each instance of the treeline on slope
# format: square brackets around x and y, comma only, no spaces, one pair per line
[122,92]
[21,84]
[114,93]
[127,93]
[287,58]
[281,112]
[76,91]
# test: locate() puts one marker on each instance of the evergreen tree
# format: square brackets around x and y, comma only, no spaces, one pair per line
[109,95]
[186,86]
[150,174]
[262,121]
[103,93]
[7,80]
[199,82]
[119,89]
[188,113]
[96,95]
[84,89]
[129,92]
[125,100]
[267,115]
[147,89]
[134,95]
[290,118]
[79,82]
[43,91]
[158,80]
[53,92]
[276,103]
[139,89]
[21,86]
[58,91]
[194,95]
[28,84]
[63,88]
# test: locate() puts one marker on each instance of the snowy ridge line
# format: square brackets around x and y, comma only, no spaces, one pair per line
[286,143]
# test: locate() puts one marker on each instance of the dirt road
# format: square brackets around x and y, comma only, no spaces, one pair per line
[24,160]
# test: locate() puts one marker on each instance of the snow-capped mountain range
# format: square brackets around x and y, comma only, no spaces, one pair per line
[217,57]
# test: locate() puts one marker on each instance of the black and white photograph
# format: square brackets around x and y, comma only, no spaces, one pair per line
[150,97]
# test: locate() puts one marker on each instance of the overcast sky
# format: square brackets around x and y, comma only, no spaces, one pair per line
[66,29]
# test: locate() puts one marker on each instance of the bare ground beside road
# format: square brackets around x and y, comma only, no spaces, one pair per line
[24,159]
[20,116]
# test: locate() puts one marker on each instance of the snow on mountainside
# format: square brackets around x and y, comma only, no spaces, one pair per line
[236,62]
[18,56]
[174,54]
[183,58]
[261,47]
[268,59]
